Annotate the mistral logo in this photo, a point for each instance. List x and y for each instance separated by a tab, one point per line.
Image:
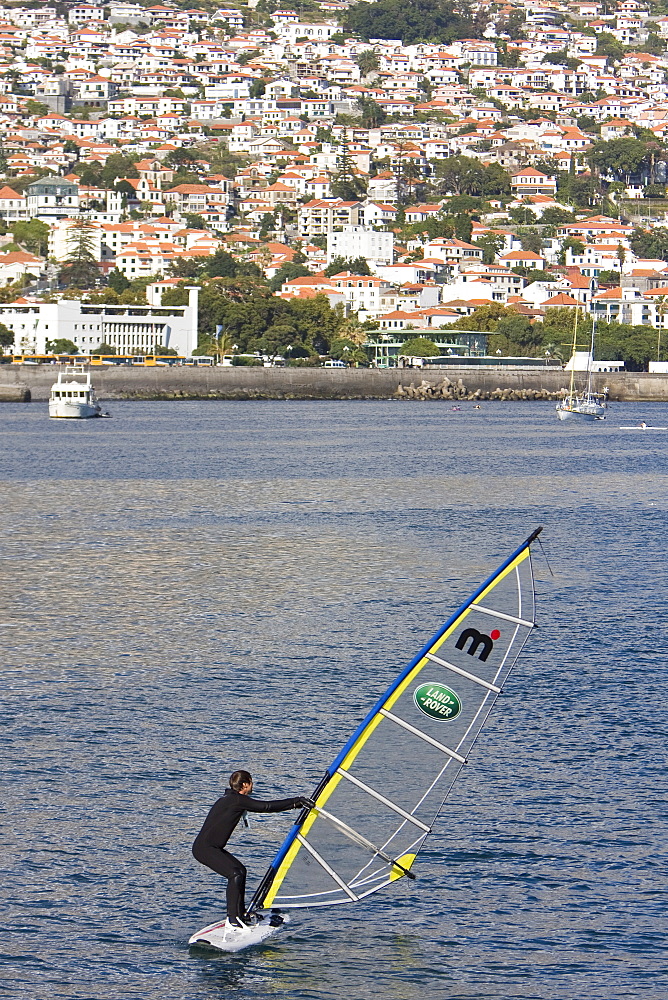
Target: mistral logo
477	639
437	701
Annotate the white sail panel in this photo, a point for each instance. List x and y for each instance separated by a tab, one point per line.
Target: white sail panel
380	797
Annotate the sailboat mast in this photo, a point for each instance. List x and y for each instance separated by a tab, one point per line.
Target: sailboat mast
590	361
575	340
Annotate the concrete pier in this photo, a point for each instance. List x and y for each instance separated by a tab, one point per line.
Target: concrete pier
14	393
315	383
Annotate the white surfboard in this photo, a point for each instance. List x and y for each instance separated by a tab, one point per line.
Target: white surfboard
214	936
639	427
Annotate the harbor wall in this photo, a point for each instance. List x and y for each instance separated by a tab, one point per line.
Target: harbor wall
20	382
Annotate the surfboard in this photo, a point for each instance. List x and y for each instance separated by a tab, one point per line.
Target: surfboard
214	936
637	427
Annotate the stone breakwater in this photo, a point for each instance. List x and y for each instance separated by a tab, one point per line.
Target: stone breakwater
329	383
446	389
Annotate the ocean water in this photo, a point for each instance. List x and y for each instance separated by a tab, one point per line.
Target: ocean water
193	587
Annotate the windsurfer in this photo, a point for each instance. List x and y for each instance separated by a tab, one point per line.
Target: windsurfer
217	829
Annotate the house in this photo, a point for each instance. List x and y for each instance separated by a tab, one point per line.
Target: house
12	205
528	181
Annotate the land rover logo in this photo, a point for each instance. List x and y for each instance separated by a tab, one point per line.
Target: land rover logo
437	701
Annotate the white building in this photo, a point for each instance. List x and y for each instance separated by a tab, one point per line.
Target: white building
127	328
358	241
52	198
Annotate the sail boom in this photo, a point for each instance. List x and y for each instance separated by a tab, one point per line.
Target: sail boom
360	839
386	802
423	736
464	673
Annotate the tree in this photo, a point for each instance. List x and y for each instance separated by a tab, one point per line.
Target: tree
33	235
621	158
117	165
343	349
194	221
104	348
484	319
414	20
372	114
288	272
117	281
6	337
62	346
556	217
355	265
607	45
531	240
81	268
491	245
576	247
652	245
419	347
367	61
346	184
608	277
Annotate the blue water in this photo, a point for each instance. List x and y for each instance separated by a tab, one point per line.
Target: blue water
188	588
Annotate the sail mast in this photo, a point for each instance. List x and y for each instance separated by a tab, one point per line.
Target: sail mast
571	391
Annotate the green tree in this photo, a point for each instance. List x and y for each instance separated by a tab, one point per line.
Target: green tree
419	347
355	265
373	115
288	272
81	268
607	45
620	158
491	245
484	319
346	183
650	245
414	20
33	235
194	221
61	346
117	281
576	247
6	337
367	61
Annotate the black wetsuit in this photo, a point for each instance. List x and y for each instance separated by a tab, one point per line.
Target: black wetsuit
218	827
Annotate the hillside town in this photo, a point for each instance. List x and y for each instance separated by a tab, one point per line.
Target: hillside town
262	182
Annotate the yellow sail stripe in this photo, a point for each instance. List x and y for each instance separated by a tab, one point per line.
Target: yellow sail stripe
375	721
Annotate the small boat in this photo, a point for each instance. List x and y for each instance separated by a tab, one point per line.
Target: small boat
73	396
586	405
642	427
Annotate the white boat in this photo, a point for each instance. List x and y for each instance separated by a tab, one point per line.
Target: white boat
585	405
73	396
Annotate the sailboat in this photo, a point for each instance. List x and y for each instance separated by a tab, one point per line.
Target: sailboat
378	801
587	405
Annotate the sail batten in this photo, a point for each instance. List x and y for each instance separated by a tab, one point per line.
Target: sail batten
464	673
383	799
501	616
412	745
420	733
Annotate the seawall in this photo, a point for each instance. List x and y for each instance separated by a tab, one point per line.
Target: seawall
314	383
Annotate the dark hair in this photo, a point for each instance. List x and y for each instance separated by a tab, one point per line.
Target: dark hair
238	779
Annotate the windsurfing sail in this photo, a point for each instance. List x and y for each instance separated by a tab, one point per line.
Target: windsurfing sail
379	799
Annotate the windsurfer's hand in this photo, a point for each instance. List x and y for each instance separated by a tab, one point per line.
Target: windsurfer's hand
305	802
